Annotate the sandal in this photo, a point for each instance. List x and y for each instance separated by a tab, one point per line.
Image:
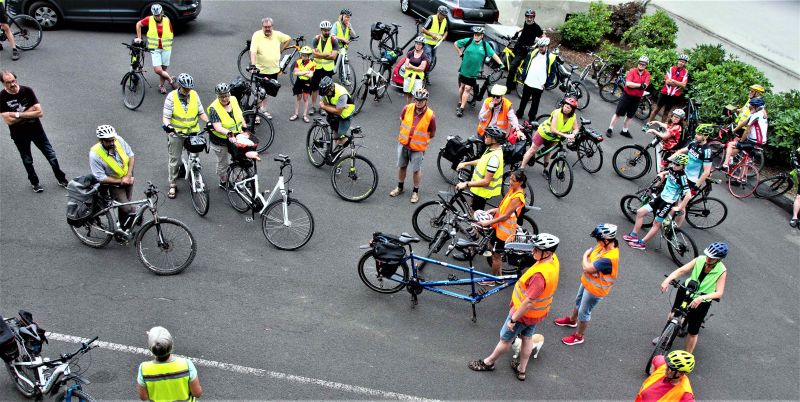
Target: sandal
162	90
173	190
269	116
258	120
520	374
305	119
293	118
480	365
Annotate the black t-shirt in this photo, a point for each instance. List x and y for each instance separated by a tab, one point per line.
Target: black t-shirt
529	34
20	102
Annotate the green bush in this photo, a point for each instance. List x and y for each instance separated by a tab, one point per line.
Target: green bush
723	84
701	56
656	30
783	110
585	30
614	55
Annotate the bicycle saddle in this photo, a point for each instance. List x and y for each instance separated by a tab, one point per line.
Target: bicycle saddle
281	158
406	238
464	243
320	121
585	122
519	247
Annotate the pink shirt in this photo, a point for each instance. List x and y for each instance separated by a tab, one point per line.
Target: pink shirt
533	288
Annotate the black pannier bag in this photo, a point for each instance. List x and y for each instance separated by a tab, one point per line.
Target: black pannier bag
513	153
271	86
195	143
518	255
388	252
377	30
239	88
454	149
82	193
8	344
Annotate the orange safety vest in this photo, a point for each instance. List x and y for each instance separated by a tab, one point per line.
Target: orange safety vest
598	283
508	227
541	305
675	394
502	119
418	138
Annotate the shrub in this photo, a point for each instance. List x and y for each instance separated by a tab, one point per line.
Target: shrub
701	56
656	30
585	30
784	118
624	16
614	55
722	84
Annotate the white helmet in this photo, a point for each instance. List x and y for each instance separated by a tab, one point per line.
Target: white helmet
325	25
680	113
106	131
156	9
644	59
545	242
543	41
605	231
481	215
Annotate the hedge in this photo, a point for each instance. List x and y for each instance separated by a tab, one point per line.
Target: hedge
585	30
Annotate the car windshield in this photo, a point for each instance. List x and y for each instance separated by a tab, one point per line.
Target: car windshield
474	4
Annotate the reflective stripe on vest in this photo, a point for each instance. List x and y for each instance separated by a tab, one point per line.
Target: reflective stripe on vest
152	33
303	68
709	284
228	122
338	91
561	125
744	113
493	189
598	283
167	381
109	160
413	75
185	120
502	118
508	227
342	32
541	305
416	138
674	394
435	28
325	64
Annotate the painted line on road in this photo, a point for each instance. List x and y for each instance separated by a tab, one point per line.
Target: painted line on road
235	368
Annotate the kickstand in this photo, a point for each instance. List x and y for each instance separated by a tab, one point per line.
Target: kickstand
414	300
474	314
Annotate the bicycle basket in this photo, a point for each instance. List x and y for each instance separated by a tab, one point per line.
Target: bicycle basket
8	343
377	30
455	149
195	143
388	254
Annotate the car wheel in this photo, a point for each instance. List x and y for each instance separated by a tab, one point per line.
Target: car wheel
45	14
405	7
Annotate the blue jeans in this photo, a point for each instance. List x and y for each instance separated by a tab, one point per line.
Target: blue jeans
527	331
585	302
23	142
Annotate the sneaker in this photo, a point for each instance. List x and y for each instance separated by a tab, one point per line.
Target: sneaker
637	245
566	322
414	197
793	222
37	188
63	184
397	191
573	339
14	54
609	133
490	284
459	112
625	134
630	237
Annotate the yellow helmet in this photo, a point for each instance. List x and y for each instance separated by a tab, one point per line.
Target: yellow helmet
306	50
705	129
680	360
757	88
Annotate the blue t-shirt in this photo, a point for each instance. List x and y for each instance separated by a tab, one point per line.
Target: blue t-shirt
699	158
603	265
675	186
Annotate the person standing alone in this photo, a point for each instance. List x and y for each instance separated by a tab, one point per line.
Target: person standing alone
159	41
417	129
167	377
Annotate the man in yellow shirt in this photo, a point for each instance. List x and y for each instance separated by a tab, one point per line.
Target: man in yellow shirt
266	46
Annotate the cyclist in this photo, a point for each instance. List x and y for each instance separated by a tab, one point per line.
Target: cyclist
417	61
530	303
699	167
225	116
674	81
326	49
417	129
472	52
111	162
497	111
338	104
537	72
755	136
710	274
755	91
670	138
669	380
434	29
488	174
342	29
562	123
266	46
527	36
182	110
598	275
636	81
303	70
675	188
168	377
159	41
4	21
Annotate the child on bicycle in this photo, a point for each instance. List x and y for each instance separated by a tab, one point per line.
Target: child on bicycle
303	71
670	138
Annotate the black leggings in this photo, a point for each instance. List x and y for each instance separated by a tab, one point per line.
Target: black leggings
534	94
695	316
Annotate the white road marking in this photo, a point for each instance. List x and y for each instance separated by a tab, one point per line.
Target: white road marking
235	368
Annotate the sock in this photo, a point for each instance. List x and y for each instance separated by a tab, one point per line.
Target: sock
624	130
400	185
415	190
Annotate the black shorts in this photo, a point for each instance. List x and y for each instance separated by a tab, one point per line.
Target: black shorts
695	316
4	19
319	74
660	208
301	87
498	246
478	202
746	145
472	82
627	105
269	76
668	101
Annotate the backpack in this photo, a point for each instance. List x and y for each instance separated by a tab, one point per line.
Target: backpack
82	193
485	50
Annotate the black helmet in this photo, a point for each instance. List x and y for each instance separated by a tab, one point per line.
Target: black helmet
496	132
325	84
222	88
442	10
346	12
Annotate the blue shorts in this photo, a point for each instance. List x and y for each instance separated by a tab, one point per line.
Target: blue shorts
160	57
527	331
585	302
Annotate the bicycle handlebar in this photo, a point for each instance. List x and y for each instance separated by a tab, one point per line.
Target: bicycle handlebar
676	284
85	347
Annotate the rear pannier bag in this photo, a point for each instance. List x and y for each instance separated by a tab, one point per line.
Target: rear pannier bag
82	193
377	30
8	344
388	252
454	149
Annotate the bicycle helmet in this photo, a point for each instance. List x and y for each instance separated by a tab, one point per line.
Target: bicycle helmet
156	9
684	57
705	129
644	59
545	242
717	250
419	39
681	361
325	25
757	88
530	13
481	215
680	159
159	341
543	41
325	84
222	88
106	131
479	30
569	100
346	11
306	50
680	113
442	10
757	102
421	94
606	231
185	81
496	133
498	90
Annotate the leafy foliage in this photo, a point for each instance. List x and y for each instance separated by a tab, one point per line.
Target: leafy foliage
722	84
703	55
784	119
624	16
585	30
656	30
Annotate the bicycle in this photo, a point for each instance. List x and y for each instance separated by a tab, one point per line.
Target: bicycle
133	81
286	217
679	243
349	172
599	68
250	94
373	82
780	184
586	144
290	56
571	88
166	237
508	55
613	90
645	106
344	70
25	29
628	158
384	38
483	82
195	144
743	177
702	211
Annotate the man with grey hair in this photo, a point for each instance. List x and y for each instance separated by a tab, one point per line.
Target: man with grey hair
168	377
266	46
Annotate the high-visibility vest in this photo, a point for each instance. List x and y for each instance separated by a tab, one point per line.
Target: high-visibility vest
675	394
167	381
185	121
416	138
437	28
152	33
493	189
598	283
228	122
541	305
744	113
307	67
502	117
413	75
508	227
325	64
338	91
709	284
109	160
562	125
344	32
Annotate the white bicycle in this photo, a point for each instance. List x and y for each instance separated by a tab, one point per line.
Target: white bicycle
193	145
344	70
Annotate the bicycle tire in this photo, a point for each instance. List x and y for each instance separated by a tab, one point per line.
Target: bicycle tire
741	183
242	62
541	118
346	174
590	155
316	147
264	131
644	109
27	32
434	246
717	150
133	89
384	83
446	170
527	191
102	224
77	395
376	47
200	199
611	92
626	160
367	270
237	173
706	213
687	249
664	343
605	75
630	205
774	186
291	63
432	62
29	374
360	97
346	77
529	225
430	214
168	248
561	171
301	224
581	93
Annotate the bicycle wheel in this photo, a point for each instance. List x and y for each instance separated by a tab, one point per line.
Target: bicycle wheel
706	213
29	374
166	247
77	395
529	226
376	47
717	150
384	82
354	178
630	205
292	233
236	174
360	97
663	344
347	77
774	186
200	198
605	75
643	111
528	190
316	144
97	231
611	92
447	169
581	93
631	162
261	129
368	272
559	177
742	182
132	90
590	156
242	62
291	63
26	31
681	247
429	217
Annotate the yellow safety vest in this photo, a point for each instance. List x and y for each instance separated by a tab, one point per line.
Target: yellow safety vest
167	381
508	227
493	189
413	75
338	91
435	28
744	113
308	67
562	125
343	32
185	121
231	123
541	305
325	64
415	138
598	283
152	33
109	160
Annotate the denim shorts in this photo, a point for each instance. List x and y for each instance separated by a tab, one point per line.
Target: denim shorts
527	331
160	57
585	302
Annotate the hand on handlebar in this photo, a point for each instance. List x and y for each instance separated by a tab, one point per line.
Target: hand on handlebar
168	129
252	68
137	40
664	285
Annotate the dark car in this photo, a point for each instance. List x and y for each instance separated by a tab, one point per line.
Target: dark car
53	13
462	14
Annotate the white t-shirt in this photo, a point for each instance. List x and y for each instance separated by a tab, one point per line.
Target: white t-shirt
537	71
758	127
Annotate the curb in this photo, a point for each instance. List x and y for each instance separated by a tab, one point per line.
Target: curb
784	202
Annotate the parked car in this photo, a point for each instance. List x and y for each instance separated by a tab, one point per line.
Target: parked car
53	13
462	14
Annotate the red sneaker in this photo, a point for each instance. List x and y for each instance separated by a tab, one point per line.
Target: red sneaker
573	339
566	322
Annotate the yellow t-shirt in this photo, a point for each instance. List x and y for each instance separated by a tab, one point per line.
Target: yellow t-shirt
268	50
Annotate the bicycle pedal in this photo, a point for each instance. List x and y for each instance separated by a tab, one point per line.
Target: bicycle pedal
248	220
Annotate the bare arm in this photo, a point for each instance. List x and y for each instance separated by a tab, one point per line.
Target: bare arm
195	388
587	265
142	392
139	30
512	206
685	269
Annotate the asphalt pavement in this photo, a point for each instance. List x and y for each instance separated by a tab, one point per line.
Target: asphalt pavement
301	325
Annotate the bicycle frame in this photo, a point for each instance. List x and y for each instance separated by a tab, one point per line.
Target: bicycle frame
239	187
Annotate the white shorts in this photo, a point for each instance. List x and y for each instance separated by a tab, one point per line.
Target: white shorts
160	57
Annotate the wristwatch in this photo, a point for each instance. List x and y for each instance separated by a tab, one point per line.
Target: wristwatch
17	115
511	320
